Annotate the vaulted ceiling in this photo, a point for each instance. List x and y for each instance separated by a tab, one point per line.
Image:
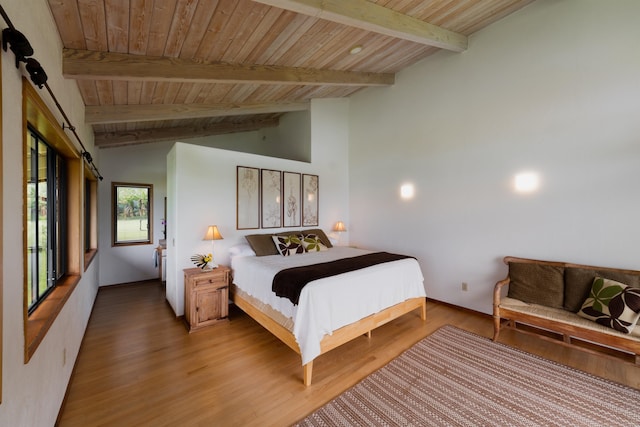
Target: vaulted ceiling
158	70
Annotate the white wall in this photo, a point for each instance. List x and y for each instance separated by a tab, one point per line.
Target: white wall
205	191
147	164
138	164
33	392
553	88
330	151
290	140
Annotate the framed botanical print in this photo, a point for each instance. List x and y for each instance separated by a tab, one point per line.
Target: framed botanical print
271	193
309	200
291	198
247	198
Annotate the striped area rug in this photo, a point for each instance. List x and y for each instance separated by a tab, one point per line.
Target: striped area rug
456	378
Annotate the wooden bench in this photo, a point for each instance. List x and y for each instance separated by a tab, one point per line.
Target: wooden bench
558	320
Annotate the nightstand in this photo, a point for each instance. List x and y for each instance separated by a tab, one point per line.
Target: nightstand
206	296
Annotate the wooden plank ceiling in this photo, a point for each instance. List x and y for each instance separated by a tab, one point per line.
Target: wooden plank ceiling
158	70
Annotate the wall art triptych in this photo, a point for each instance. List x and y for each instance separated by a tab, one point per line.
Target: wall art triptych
272	199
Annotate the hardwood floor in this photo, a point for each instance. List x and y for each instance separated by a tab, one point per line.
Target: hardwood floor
139	366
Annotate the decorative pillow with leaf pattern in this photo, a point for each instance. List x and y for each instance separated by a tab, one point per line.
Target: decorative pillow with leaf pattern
289	245
612	304
312	243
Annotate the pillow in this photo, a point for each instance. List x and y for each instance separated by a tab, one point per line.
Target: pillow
612	304
321	235
288	245
578	281
262	244
536	284
317	231
312	243
241	249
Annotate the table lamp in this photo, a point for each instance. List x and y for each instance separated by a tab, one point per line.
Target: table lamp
212	234
339	227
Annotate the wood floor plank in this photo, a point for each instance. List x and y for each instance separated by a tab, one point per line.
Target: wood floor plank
138	365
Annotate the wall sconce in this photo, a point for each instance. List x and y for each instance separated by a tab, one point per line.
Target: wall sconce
407	191
212	234
526	182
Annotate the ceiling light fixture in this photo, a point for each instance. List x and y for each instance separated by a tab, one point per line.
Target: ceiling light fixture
355	50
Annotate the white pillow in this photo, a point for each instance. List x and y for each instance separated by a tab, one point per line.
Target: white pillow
241	249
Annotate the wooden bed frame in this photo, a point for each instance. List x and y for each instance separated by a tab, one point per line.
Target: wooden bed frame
340	336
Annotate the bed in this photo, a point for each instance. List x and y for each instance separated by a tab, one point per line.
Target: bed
330	311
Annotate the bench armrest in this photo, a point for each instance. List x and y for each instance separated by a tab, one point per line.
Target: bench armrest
497	291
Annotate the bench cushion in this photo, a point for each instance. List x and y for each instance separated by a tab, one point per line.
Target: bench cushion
564	316
537	284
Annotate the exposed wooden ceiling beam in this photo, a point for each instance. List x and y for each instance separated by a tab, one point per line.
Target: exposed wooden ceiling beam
92	65
372	17
152	112
143	136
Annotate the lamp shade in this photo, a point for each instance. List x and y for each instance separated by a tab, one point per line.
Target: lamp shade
339	226
212	233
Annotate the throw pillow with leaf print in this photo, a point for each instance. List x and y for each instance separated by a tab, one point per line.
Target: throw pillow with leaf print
313	243
612	304
289	245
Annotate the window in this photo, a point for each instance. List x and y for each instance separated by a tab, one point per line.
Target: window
1	235
90	216
46	218
52	217
87	215
132	216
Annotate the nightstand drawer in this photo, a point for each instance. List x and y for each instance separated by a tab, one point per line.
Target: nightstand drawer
205	279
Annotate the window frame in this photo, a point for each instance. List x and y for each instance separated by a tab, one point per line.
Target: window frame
90	206
114	214
43	156
1	236
37	115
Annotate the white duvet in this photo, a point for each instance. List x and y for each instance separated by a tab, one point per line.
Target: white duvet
330	303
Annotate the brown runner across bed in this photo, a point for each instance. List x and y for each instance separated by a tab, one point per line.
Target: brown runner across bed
288	283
